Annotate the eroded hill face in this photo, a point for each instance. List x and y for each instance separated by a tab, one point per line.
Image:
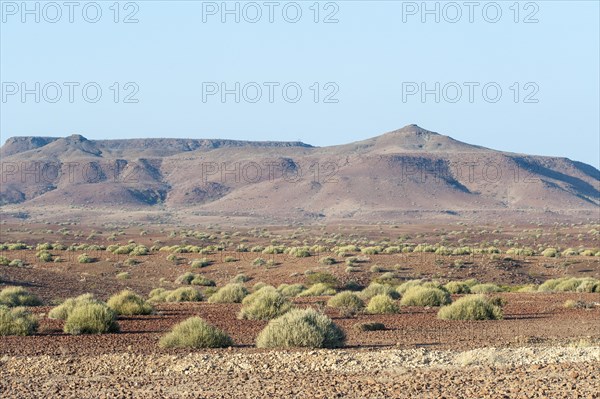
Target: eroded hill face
409	171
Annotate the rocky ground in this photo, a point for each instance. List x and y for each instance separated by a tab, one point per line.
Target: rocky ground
525	372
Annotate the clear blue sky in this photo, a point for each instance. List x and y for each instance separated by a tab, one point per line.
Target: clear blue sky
370	57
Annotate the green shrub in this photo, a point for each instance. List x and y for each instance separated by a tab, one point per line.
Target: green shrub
322	278
183	294
382	304
259	285
301	328
265	304
291	290
202	262
425	296
377	269
158	295
16	263
405	286
63	310
201	280
299	252
128	303
16	321
259	262
485	288
185	278
319	289
84	258
45	256
240	278
347	302
123	276
18	296
4	261
91	318
550	253
378	289
327	260
471	307
457	287
369	326
195	333
231	293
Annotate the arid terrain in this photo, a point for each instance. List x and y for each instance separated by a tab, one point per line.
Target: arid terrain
409	265
540	348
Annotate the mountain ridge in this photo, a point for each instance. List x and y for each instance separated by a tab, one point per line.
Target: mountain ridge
404	170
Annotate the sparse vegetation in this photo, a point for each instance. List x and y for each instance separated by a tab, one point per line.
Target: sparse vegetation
195	333
382	304
91	318
231	293
425	296
347	302
265	304
129	303
301	328
18	296
471	307
16	321
319	289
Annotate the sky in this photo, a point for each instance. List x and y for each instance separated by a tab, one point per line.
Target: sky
513	76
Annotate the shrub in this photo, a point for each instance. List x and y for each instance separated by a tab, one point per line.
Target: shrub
301	328
18	296
265	304
425	296
201	280
240	278
259	262
457	287
382	304
377	269
229	259
319	289
91	318
183	294
231	293
4	261
402	288
347	302
16	263
195	333
185	278
322	278
123	276
259	285
198	263
550	253
16	321
157	295
63	310
84	258
327	260
471	307
128	303
378	289
485	288
291	290
45	256
299	252
369	326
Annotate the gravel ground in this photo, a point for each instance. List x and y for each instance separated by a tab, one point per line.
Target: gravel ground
526	372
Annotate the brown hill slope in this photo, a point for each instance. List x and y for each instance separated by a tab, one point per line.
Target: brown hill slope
410	170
